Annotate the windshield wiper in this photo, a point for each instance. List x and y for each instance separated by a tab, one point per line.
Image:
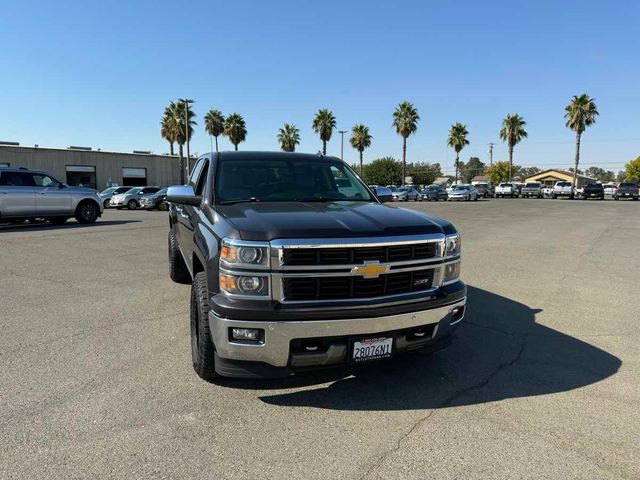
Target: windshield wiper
245	200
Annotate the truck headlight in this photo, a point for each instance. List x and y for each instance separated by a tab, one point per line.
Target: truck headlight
451	273
453	245
236	253
245	285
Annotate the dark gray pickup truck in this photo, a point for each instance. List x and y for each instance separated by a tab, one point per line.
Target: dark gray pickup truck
296	265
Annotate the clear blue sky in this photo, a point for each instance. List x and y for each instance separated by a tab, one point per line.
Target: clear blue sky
100	73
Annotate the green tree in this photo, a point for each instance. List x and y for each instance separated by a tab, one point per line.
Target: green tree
182	131
383	171
457	139
360	139
632	171
580	113
323	124
525	172
236	129
214	124
289	137
620	176
499	172
405	121
600	174
424	173
512	132
471	169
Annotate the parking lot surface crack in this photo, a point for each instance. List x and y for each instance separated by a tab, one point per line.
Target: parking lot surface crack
447	402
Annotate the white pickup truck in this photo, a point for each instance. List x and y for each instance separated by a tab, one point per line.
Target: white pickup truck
506	190
562	189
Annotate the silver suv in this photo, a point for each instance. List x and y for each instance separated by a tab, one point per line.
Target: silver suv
29	194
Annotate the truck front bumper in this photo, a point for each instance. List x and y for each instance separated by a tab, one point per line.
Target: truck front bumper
284	345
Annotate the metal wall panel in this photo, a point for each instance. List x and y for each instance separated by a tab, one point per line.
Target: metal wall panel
161	169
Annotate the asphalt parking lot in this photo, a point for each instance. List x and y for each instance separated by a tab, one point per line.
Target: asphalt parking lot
542	381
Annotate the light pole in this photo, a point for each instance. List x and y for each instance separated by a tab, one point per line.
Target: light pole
342	132
491	154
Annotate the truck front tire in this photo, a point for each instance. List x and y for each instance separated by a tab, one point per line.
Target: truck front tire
202	348
178	271
87	212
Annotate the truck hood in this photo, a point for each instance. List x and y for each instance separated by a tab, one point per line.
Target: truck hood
264	221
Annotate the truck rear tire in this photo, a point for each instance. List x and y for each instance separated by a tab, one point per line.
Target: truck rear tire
178	271
202	348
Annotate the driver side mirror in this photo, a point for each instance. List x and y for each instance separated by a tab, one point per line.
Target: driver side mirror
183	195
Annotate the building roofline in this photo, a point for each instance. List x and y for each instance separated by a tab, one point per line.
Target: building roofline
25	147
564	172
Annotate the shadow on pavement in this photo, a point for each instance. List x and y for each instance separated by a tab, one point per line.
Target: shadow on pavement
45	226
499	352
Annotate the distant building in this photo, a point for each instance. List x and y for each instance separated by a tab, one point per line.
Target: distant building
549	177
94	168
442	181
480	179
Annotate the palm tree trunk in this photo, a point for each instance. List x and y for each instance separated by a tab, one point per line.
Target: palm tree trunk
236	146
171	148
361	163
457	163
404	160
324	147
575	168
510	160
216	144
181	164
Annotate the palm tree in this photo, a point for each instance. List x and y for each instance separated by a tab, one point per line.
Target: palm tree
236	129
405	121
174	120
214	124
323	124
581	113
457	140
360	139
512	132
168	129
289	137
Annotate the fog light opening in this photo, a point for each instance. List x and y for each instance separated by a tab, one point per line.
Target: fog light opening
253	335
456	314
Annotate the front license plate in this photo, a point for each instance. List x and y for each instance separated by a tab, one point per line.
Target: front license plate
369	349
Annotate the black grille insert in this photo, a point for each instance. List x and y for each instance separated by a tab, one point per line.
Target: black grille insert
346	287
351	255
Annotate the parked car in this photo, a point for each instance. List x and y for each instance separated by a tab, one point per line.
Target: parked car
276	302
626	190
592	190
562	189
485	190
434	193
384	194
531	190
506	189
131	198
32	194
610	189
547	191
106	195
155	201
463	192
404	194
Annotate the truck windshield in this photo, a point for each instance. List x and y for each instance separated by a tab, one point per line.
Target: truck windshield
283	180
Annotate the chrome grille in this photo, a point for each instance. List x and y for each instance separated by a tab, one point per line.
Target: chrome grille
355	255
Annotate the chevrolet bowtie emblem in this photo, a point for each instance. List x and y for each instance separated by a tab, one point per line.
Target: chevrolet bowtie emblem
370	269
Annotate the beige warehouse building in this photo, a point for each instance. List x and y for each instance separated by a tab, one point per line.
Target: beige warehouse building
95	168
